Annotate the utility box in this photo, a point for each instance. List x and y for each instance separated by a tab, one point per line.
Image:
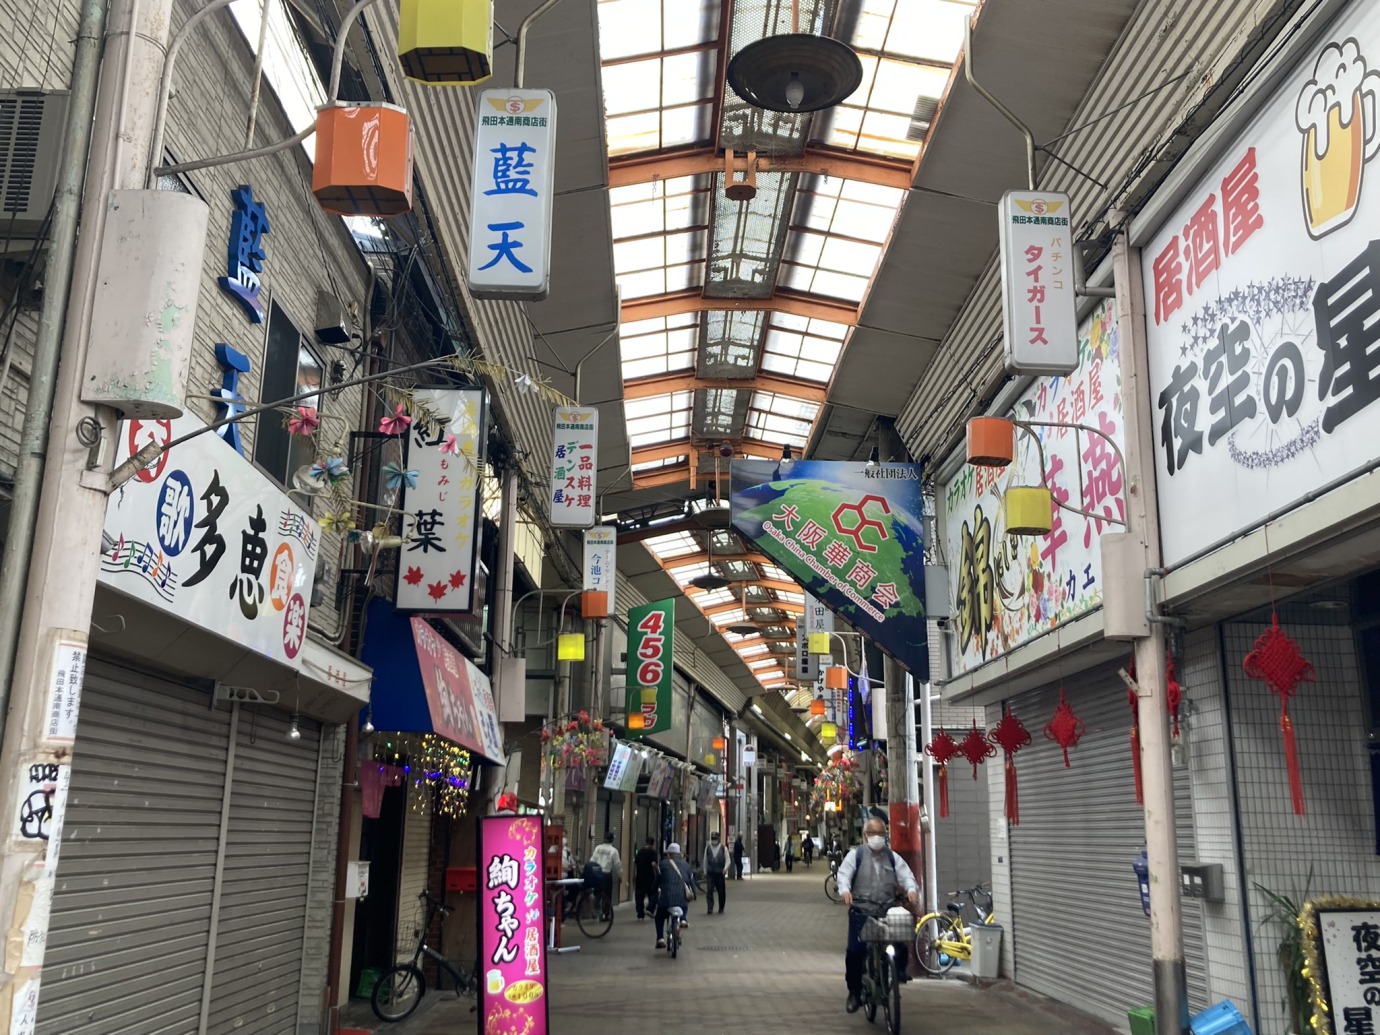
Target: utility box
1123	587
1202	881
356	879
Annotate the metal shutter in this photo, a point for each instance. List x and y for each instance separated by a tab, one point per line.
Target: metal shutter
1071	878
131	912
263	906
412	879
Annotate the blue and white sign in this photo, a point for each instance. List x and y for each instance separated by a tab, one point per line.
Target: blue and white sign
510	210
245	252
601	569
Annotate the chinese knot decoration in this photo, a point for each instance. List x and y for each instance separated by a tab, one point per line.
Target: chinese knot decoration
580	743
975	749
1065	729
1174	693
837	782
942	748
1010	735
1278	662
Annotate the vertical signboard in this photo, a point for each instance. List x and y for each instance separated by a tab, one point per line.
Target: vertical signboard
1261	293
651	629
817	619
601	570
440	502
512	923
1037	297
574	459
510	203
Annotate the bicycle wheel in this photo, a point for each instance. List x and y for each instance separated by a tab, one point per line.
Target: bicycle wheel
892	998
831	887
673	938
594	919
398	992
933	929
871	993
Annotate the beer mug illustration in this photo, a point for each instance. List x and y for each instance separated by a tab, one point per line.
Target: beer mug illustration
1337	115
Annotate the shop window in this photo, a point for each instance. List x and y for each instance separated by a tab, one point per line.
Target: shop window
289	368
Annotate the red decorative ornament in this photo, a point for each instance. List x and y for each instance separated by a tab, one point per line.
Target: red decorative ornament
1175	694
1278	662
1010	735
975	749
1065	729
942	748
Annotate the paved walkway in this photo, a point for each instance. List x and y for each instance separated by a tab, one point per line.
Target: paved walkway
772	962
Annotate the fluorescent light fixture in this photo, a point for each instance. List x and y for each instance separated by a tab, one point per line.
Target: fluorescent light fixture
757	709
788	735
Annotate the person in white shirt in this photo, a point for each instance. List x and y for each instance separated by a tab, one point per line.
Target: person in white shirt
610	864
872	878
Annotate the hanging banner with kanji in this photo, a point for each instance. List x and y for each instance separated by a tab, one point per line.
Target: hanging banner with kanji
512	926
1003	590
440	500
1037	299
600	568
510	202
574	459
851	534
651	636
1261	296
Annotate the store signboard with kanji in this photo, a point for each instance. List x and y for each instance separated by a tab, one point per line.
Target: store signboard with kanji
1342	943
1037	297
651	639
512	927
204	535
851	534
1006	590
440	500
510	203
600	569
459	696
1263	304
817	619
574	459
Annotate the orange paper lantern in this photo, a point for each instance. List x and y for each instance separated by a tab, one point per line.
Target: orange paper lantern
718	743
817	706
594	603
991	441
363	161
836	678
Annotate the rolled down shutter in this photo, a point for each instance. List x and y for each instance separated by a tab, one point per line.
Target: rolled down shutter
1071	855
131	914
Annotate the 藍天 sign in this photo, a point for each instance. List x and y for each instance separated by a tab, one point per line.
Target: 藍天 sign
600	570
204	536
514	176
574	459
512	926
245	252
1006	590
651	636
852	535
440	500
1262	293
1037	297
459	697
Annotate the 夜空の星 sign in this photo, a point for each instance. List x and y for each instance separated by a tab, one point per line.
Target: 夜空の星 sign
651	638
852	535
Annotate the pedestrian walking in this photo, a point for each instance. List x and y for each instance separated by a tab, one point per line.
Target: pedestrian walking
738	857
807	849
644	878
715	866
790	853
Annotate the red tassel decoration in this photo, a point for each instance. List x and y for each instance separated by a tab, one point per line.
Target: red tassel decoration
1010	735
1066	728
975	749
1278	662
1013	802
1291	760
1175	693
942	748
943	792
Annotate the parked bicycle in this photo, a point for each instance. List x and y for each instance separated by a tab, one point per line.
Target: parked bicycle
881	981
400	990
942	939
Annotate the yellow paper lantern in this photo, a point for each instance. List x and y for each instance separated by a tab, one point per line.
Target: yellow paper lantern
836	678
710	759
828	731
570	647
817	706
446	41
1029	510
818	643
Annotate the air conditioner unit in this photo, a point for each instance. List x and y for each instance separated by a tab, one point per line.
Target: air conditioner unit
31	124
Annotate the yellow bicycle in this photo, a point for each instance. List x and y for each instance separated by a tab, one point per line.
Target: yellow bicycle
942	939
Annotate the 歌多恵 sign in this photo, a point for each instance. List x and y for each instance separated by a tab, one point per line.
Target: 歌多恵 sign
514	176
512	926
851	534
1037	298
600	574
203	535
1262	291
574	459
651	634
459	697
440	500
1003	590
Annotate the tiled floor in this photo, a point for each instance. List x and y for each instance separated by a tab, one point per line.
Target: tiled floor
772	962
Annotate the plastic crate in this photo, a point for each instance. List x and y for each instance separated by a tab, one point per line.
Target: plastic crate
1142	1020
368	978
1222	1019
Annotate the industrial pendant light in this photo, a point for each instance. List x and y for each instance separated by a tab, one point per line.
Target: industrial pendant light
795	72
709	580
745	627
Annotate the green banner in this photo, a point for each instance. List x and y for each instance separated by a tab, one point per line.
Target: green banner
650	635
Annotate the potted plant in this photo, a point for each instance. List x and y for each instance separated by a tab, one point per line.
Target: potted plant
1282	917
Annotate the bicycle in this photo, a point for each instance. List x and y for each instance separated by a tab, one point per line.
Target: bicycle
881	984
673	934
400	990
594	912
942	939
831	881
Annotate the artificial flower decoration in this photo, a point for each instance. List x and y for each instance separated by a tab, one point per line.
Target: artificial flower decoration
523	383
332	470
337	521
396	424
304	421
451	444
577	744
354	536
397	476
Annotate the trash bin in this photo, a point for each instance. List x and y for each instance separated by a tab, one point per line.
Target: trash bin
1142	1020
986	950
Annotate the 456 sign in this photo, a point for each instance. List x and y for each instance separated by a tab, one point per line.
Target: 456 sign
651	629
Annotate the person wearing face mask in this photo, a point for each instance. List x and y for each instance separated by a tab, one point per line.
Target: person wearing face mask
872	879
715	867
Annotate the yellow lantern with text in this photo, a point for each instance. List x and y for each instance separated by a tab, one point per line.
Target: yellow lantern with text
446	41
570	647
818	643
836	678
1029	510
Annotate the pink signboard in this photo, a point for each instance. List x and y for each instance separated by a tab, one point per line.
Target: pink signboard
512	915
457	694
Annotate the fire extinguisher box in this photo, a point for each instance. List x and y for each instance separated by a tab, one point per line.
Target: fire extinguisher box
462	878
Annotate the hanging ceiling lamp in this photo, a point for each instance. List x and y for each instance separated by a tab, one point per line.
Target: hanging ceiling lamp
746	627
709	580
795	72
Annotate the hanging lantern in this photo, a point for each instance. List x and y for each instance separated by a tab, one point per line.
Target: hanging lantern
363	164
446	41
636	721
818	643
836	678
717	743
828	731
1029	510
991	441
594	603
817	706
570	647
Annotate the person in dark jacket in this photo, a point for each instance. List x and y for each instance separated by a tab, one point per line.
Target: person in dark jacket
807	849
644	878
715	867
738	857
675	888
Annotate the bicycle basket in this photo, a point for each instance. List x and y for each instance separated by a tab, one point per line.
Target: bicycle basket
888	929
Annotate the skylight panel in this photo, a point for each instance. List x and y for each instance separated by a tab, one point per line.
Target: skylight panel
673	544
656	465
753	650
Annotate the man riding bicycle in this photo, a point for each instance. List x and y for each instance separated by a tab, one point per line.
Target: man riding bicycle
604	869
872	878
